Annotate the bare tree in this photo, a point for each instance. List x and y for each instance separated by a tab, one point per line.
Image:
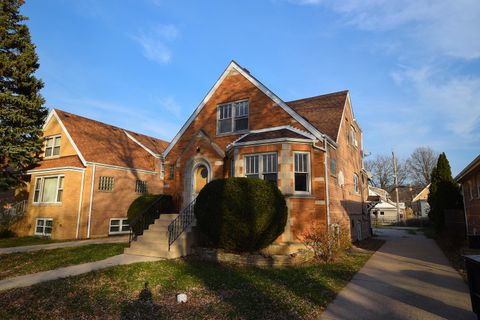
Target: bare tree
381	168
420	165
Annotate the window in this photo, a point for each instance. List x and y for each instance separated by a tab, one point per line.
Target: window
105	184
262	166
232	168
118	225
353	138
382	213
141	186
52	146
355	183
470	186
44	227
171	172
333	167
232	117
48	189
301	172
478	186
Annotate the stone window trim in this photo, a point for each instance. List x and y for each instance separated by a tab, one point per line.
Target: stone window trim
118	226
43	227
302	167
106	183
52	146
262	166
231	117
40	195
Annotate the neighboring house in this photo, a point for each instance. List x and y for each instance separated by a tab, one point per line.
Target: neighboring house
89	175
469	178
385	210
420	205
311	148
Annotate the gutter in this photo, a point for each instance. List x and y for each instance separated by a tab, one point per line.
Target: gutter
80	205
91	202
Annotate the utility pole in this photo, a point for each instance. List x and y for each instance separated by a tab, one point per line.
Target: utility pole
395	177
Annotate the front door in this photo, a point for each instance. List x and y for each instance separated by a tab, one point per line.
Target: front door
200	179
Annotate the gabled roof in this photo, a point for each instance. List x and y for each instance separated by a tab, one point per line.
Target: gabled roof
103	143
235	66
68	161
422	195
471	166
324	112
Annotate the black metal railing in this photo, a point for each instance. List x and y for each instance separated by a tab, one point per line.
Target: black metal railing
144	219
180	223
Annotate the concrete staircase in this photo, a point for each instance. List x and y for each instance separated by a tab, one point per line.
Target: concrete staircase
154	241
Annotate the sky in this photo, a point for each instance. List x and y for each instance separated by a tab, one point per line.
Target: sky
412	66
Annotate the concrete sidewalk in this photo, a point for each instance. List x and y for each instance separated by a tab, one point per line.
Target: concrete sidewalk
66	244
31	279
408	278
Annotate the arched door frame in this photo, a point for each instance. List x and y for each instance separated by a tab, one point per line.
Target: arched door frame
197	163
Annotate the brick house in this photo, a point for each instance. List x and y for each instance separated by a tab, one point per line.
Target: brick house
311	148
469	179
89	174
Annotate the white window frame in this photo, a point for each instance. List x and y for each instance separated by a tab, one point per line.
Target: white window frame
43	234
144	184
260	169
104	183
308	172
353	136
40	195
356	187
122	222
233	116
54	138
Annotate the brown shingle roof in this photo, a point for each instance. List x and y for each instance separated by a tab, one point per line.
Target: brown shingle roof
274	134
103	143
323	112
155	145
68	161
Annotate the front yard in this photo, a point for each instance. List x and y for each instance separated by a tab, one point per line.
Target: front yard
215	291
16	264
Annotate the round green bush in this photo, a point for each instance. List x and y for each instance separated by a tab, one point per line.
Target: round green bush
241	214
164	205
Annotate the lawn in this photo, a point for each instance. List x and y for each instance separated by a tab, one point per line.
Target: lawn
16	264
24	241
215	291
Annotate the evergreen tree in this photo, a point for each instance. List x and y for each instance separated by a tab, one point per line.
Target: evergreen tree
21	106
444	193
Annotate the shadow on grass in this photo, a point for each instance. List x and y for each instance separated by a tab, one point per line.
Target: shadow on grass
143	307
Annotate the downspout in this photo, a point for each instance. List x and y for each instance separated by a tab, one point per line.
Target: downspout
327	200
91	203
80	205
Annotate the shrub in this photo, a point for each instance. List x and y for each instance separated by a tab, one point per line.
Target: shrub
327	244
241	214
139	205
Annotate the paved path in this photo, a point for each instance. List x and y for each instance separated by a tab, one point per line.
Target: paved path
408	278
31	279
56	245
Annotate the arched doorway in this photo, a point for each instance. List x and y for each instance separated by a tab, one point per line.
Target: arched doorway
201	175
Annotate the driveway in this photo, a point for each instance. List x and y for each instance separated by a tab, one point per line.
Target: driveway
408	278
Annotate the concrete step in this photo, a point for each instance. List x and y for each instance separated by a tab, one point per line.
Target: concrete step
170	216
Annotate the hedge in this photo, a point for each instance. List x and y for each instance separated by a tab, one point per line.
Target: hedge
241	214
164	205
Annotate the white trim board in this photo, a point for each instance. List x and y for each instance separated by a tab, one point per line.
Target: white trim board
234	66
141	145
47	170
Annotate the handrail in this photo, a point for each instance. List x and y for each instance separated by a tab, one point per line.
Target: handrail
17	209
142	219
180	223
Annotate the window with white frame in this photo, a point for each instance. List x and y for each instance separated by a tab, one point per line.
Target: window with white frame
105	183
118	225
302	172
262	166
355	183
52	146
48	189
353	136
43	227
232	117
141	186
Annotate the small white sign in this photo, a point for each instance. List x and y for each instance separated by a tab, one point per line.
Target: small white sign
181	298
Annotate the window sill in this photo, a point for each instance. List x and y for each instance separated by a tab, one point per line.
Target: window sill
51	157
118	233
301	195
44	204
232	133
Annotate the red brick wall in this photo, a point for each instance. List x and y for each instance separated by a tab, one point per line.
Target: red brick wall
472	205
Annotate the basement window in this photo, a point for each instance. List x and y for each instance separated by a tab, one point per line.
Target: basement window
119	226
43	227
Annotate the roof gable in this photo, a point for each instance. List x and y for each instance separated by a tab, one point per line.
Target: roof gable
102	143
234	66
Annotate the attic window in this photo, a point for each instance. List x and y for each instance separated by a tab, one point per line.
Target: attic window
353	137
52	146
232	117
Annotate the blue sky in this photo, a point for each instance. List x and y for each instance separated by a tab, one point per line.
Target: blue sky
412	66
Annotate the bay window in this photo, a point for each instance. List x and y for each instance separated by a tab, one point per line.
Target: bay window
302	172
262	166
